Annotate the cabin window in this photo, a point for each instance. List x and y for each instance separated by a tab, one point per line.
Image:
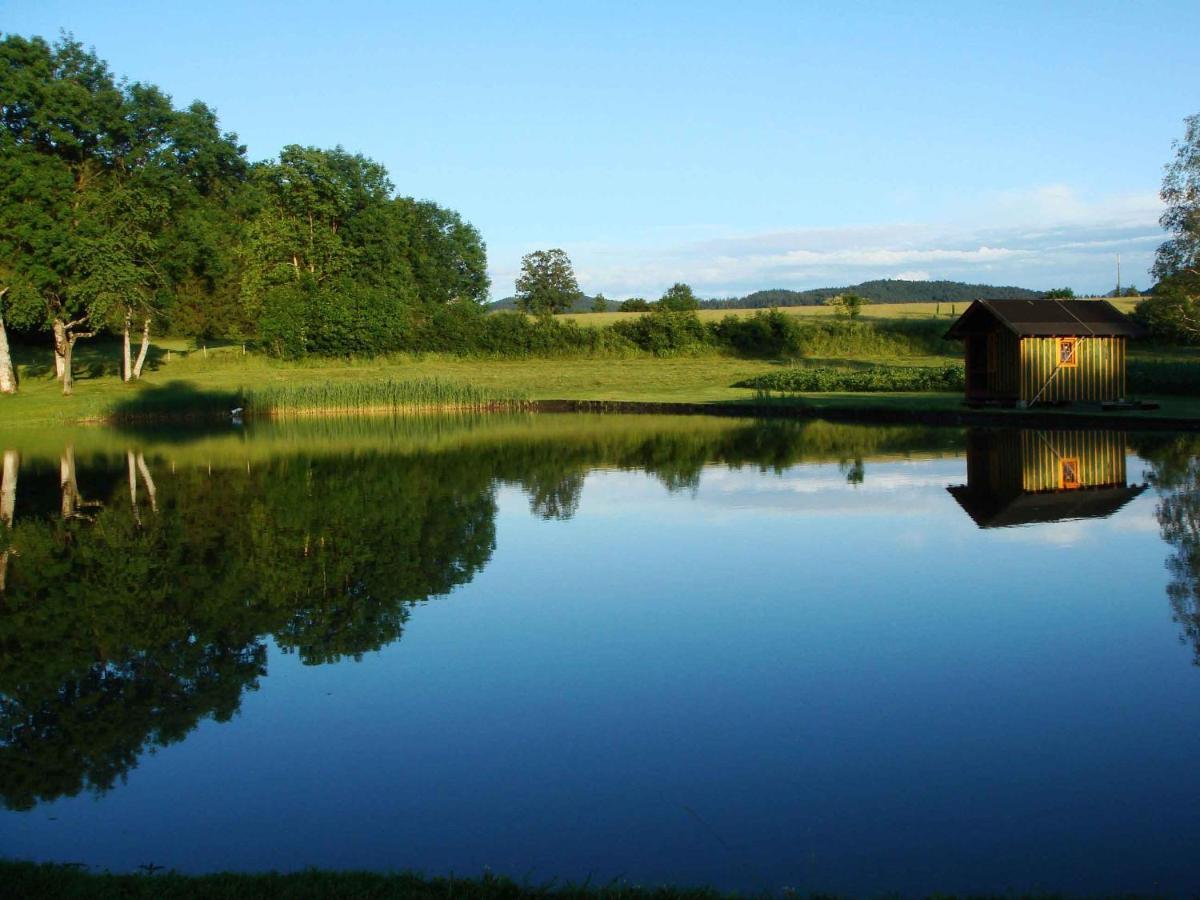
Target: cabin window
1068	473
1066	352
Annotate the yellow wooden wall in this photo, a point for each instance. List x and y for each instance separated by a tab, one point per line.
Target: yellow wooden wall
1099	375
1100	454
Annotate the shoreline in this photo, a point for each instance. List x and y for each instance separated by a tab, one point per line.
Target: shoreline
1056	420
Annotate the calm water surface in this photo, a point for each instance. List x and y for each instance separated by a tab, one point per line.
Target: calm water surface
755	656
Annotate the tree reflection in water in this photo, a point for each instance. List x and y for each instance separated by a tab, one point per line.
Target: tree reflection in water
1174	472
137	598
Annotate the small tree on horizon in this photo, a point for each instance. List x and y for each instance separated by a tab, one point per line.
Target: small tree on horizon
547	283
1062	293
599	303
679	297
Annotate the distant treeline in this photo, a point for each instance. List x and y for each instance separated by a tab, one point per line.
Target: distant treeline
884	290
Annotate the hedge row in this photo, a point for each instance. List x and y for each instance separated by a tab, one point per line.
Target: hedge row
873	379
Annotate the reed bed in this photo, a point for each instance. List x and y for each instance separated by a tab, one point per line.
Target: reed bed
372	397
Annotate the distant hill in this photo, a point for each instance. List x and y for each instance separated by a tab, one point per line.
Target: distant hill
884	290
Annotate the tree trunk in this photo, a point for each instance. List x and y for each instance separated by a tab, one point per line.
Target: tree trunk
60	348
8	488
8	506
8	375
151	491
67	483
126	357
133	473
68	350
143	350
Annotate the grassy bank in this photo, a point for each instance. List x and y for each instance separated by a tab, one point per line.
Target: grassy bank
219	378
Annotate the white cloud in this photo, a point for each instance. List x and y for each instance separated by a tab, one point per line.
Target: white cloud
1038	237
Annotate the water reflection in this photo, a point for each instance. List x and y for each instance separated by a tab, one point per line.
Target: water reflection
150	585
1022	477
139	591
1174	472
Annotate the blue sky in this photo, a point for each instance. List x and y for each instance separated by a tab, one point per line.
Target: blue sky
732	146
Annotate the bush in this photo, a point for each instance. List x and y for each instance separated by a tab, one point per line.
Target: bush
875	378
768	333
665	333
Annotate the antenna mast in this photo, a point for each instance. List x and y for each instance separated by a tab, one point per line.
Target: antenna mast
1118	294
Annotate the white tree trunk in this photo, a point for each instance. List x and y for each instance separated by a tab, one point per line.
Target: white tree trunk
133	473
8	488
8	375
8	508
67	483
151	491
126	357
143	350
65	360
60	348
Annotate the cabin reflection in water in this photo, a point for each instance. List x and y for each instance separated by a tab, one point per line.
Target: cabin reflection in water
1025	477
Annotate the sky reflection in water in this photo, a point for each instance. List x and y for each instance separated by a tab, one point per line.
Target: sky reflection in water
809	668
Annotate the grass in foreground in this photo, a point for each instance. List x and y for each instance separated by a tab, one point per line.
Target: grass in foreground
33	880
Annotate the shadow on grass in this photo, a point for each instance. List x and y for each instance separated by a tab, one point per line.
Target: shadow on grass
176	402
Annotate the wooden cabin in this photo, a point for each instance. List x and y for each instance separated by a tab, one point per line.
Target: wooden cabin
1044	351
1024	477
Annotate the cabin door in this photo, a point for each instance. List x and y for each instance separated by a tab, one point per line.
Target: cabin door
977	365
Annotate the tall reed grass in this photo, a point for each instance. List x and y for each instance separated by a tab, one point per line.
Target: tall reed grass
353	397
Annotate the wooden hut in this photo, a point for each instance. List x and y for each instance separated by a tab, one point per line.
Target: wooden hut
1024	477
1044	351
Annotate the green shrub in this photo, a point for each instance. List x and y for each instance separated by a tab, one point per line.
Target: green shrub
665	332
875	378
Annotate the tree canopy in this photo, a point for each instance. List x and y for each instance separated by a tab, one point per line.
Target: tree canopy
547	283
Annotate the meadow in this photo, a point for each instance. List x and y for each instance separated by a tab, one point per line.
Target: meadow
872	367
872	311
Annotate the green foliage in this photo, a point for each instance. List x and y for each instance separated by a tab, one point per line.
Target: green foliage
1062	293
634	304
870	379
848	305
599	303
1172	312
664	332
679	298
1180	254
547	283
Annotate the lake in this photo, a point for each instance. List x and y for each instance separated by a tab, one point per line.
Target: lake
753	655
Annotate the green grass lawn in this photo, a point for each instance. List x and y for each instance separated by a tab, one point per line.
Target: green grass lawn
181	375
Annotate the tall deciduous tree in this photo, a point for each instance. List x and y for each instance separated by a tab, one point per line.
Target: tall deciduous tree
547	283
1180	254
1173	312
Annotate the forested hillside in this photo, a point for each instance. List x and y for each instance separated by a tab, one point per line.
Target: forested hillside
886	290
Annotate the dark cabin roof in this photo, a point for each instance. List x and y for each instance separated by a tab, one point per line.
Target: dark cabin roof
1045	318
1028	508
